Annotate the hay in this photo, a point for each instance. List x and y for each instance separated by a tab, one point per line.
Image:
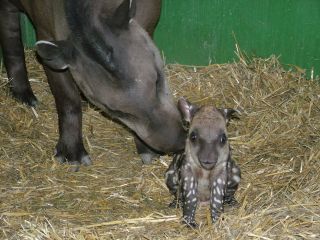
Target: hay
276	143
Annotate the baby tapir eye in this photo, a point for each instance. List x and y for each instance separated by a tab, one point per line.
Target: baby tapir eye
223	139
193	136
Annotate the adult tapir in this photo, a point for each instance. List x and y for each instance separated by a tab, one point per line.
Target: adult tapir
102	48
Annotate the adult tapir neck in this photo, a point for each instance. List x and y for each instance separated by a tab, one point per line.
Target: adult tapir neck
48	16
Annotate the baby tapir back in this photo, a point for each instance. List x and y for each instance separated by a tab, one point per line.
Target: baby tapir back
205	171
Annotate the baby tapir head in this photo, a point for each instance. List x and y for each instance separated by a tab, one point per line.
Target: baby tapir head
207	143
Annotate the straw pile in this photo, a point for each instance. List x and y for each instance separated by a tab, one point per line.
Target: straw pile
276	142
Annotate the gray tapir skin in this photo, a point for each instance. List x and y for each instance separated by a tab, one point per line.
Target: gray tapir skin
104	50
205	171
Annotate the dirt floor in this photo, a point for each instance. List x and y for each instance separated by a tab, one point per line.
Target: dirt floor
276	143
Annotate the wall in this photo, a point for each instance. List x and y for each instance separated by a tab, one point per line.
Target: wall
205	31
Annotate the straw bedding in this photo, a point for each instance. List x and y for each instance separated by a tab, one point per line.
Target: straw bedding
276	142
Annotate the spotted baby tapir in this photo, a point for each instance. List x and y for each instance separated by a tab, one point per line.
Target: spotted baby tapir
205	171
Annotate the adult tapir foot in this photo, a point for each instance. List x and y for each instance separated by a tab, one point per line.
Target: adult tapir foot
147	155
77	157
148	158
26	97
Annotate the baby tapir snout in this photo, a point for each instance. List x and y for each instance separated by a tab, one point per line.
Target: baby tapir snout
210	151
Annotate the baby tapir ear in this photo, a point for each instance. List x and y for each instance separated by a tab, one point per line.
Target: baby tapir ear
56	55
186	109
229	114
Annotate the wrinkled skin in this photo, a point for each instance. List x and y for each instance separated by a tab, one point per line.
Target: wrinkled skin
102	49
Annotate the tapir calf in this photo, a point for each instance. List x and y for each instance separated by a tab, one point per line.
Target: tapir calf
205	171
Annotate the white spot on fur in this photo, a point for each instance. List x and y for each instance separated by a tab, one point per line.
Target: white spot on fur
236	178
217	200
194	200
218	191
235	170
189	193
170	172
185	186
174	180
219	180
214	183
214	205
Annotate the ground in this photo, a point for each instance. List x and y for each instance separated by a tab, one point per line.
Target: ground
276	143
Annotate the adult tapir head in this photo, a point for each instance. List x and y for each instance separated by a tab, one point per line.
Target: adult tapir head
118	68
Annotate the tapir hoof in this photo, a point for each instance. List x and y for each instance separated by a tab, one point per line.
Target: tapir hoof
85	160
148	158
190	223
175	204
27	97
231	201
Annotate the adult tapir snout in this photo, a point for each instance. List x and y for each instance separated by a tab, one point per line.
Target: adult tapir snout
164	131
174	138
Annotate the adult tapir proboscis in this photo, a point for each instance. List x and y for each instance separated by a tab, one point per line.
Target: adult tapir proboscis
104	50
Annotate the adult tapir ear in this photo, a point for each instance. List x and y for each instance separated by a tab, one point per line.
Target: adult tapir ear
229	113
55	54
186	109
123	14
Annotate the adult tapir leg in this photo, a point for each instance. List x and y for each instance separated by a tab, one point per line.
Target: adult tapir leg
68	102
13	53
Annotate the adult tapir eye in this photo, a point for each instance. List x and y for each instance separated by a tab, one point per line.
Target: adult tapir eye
223	139
193	136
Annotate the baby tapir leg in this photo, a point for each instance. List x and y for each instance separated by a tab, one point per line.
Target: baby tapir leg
189	196
218	193
172	177
234	176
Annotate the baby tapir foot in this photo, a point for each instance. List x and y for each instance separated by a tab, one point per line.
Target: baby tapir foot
176	203
189	222
231	201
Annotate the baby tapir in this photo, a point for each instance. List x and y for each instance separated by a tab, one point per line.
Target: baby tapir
205	171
